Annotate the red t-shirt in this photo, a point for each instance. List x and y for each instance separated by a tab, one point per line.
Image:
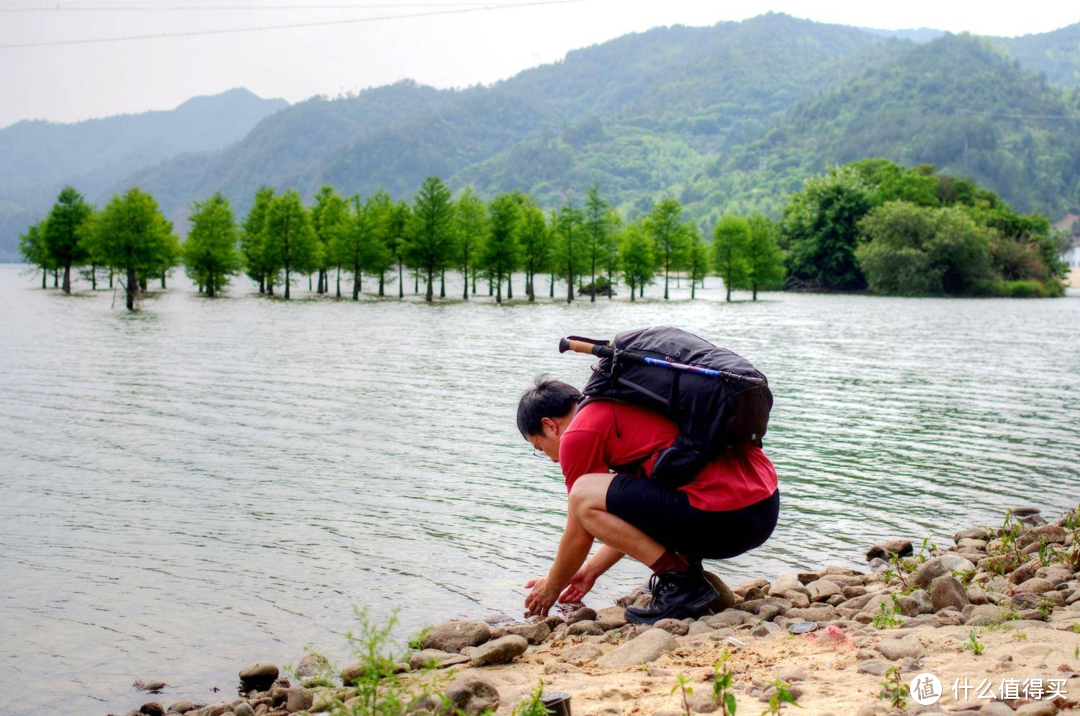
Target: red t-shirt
590	444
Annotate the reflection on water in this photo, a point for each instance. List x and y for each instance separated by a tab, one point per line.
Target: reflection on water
210	482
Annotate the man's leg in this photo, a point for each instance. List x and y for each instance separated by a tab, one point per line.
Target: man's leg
588	504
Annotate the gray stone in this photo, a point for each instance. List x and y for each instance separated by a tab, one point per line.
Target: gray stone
922	598
936	567
787	582
895	649
1051	534
1035	585
586	627
822	589
979	533
456	635
729	618
582	652
585	614
947	593
473	695
182	707
299	699
258	676
642	649
699	627
533	633
873	667
611	618
500	651
701	703
152	686
792	673
310	665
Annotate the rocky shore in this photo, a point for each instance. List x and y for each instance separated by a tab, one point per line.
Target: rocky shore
997	611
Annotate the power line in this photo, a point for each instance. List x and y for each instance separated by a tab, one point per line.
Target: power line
290	26
217	8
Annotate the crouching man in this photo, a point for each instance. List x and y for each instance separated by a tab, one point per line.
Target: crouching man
730	507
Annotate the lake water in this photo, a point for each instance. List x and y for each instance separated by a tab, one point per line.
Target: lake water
211	482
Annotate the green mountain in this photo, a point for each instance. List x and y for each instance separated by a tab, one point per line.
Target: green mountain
957	102
1055	54
40	157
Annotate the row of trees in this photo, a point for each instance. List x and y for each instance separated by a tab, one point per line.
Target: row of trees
337	237
910	231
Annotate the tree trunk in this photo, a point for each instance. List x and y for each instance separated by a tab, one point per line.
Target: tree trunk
67	278
210	284
509	286
93	277
356	282
532	288
727	286
611	286
308	284
400	281
498	290
110	277
163	279
755	290
665	282
474	281
44	278
142	283
641	290
382	281
262	285
288	281
429	294
552	285
132	288
592	299
632	291
339	282
693	289
55	278
491	287
465	276
442	284
416	282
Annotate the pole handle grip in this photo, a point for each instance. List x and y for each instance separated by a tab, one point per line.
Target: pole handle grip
578	346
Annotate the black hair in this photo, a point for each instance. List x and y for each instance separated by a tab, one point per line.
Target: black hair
546	399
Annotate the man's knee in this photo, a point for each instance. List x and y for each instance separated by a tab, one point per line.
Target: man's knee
589	493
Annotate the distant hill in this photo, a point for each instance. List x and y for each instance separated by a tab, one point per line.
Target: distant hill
1055	54
957	102
40	157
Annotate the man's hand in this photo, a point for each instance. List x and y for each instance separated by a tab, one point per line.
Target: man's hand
540	598
580	584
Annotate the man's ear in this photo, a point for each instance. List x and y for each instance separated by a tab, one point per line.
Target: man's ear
549	423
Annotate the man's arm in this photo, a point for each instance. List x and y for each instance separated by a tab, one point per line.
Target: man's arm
582	582
573	550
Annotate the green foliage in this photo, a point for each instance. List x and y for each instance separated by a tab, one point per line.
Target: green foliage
731	243
685	692
328	219
64	230
501	254
886	616
820	229
132	237
430	246
782	696
638	260
697	259
764	259
893	688
596	227
289	243
974	644
567	249
533	705
723	680
33	249
670	236
251	238
470	228
210	255
535	242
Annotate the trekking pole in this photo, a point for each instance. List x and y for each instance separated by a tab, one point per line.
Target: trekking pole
601	349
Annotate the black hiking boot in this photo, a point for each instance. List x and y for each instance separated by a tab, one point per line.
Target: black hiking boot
675	595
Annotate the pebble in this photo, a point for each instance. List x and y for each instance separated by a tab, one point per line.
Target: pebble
946	592
182	707
243	709
873	666
455	635
500	651
298	699
611	618
473	695
582	652
895	649
642	649
581	615
152	686
533	633
585	627
673	626
259	676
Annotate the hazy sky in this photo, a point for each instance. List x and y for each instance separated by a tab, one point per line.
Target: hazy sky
79	81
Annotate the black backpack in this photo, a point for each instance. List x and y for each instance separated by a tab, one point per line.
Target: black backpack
718	408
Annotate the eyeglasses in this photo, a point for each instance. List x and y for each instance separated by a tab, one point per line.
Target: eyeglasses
539	453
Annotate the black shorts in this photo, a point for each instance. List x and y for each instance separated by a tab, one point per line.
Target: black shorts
668	517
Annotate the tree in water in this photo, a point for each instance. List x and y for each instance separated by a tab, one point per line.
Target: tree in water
501	246
430	247
399	220
64	229
595	228
289	242
535	242
764	259
135	239
33	249
251	239
609	250
327	218
697	259
470	226
569	239
636	255
210	253
731	237
665	226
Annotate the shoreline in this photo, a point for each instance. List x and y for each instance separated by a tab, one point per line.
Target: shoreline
998	605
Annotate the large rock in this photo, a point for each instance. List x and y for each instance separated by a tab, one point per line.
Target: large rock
641	649
725	598
822	589
434	658
611	618
299	699
586	627
585	614
1051	534
500	651
922	597
455	636
582	652
258	676
1035	585
936	567
886	549
673	626
947	593
533	633
787	582
473	695
311	665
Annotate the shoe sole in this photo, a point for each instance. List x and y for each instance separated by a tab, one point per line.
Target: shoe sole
681	612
